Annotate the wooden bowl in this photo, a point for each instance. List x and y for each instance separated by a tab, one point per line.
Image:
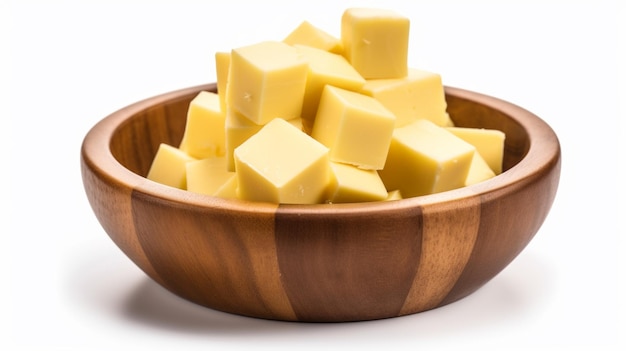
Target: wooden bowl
322	263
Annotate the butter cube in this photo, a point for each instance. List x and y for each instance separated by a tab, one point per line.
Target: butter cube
282	164
169	167
297	122
267	80
425	158
479	170
206	176
354	184
325	68
222	68
204	130
356	128
394	195
488	142
376	42
238	130
419	95
309	35
228	190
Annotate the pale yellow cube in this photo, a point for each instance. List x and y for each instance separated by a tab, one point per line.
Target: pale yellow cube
204	130
238	130
325	68
208	175
419	95
354	184
169	166
356	128
222	68
425	158
310	35
228	190
376	42
267	80
281	164
297	122
479	171
488	142
394	195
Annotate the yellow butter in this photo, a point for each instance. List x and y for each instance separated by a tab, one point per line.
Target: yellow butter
488	142
169	166
479	171
297	122
267	80
354	184
425	158
375	42
419	95
356	128
309	35
281	164
204	130
206	176
238	130
325	68
394	195
228	190
222	67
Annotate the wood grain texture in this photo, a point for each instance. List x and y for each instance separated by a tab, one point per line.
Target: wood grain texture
321	263
351	265
446	247
229	261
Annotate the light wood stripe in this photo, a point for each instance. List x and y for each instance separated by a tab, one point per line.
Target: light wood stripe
230	258
446	248
508	221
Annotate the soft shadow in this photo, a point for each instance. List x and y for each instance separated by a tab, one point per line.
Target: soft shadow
149	303
514	293
523	288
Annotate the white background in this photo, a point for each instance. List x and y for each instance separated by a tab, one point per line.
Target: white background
67	64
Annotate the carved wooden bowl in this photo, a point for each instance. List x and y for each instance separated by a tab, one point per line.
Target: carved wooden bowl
323	263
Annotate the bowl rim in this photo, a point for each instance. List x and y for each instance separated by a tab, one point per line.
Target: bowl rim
543	151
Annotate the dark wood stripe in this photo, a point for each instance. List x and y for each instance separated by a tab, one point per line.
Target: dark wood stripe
355	266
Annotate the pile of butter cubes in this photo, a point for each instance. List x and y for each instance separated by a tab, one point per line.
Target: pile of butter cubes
316	118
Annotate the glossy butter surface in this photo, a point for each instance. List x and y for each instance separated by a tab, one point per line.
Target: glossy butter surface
282	164
308	34
479	170
425	158
419	95
354	184
356	128
267	80
208	175
488	142
204	130
169	166
325	68
376	42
